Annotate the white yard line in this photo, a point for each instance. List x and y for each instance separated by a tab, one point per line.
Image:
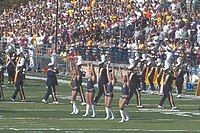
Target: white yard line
94	129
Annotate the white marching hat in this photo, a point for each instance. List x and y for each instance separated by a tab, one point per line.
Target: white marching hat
159	62
167	65
21	62
131	63
79	60
148	60
143	57
137	56
50	64
166	39
103	59
178	61
18	51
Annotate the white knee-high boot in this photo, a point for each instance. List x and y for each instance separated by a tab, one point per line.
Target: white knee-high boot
126	116
111	112
122	116
93	111
75	109
87	110
107	112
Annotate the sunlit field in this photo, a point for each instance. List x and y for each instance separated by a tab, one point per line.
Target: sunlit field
34	116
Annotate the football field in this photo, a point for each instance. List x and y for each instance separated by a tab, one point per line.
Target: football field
33	116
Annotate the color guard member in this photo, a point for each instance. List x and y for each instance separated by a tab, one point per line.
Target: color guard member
109	93
75	89
90	91
124	95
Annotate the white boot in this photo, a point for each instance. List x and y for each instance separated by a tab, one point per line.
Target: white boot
76	111
93	111
126	116
87	110
122	116
112	115
73	108
107	113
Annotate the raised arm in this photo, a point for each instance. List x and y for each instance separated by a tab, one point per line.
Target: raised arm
107	69
94	76
113	75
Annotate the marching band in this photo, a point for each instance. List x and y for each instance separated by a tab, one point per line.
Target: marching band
144	72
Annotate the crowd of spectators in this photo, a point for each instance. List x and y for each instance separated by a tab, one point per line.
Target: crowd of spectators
123	27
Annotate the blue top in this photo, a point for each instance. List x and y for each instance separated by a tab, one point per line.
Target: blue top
125	89
109	88
90	84
51	78
75	83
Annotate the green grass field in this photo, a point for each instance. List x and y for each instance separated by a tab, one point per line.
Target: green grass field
33	116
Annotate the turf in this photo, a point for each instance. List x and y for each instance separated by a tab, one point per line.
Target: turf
33	116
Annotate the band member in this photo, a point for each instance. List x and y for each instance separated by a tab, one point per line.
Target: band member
102	80
51	83
167	88
159	71
90	91
143	68
19	77
75	89
81	92
11	64
109	93
124	96
179	71
134	83
1	79
150	73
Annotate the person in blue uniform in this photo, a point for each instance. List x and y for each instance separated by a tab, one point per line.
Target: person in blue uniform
179	71
109	93
19	77
51	83
124	96
159	70
90	91
102	80
11	64
151	72
1	78
75	89
143	67
167	88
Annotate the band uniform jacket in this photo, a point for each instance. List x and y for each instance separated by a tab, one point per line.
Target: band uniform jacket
51	78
